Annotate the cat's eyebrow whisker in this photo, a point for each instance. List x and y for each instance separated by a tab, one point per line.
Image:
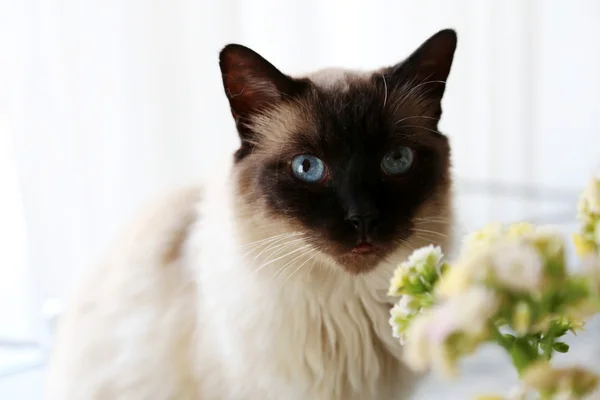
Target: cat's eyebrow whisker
424	128
415	116
386	90
414	88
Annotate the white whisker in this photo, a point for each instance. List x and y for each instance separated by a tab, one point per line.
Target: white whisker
430	232
274	246
283	256
424	128
300	266
415	116
271	238
414	88
291	262
386	90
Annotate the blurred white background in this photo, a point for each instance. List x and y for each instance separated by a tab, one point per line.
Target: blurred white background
105	104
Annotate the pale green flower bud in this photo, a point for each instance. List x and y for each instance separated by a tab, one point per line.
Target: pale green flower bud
522	318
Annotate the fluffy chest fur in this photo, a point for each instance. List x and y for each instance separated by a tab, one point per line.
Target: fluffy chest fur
293	329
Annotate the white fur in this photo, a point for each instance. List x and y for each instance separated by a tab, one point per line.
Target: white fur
210	325
337	78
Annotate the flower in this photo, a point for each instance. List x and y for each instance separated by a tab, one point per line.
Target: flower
418	273
522	318
582	247
520	229
517	266
398	281
401	314
425	262
468	269
488	234
549	241
417	348
571	382
426	255
513	277
589	201
438	336
454	282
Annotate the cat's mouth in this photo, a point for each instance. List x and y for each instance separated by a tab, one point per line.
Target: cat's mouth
364	248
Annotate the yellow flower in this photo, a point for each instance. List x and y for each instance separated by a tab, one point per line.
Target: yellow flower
454	282
519	229
582	246
489	397
484	236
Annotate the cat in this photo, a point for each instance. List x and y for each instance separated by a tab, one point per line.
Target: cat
271	281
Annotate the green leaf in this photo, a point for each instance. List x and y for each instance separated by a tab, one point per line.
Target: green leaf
561	347
522	354
509	339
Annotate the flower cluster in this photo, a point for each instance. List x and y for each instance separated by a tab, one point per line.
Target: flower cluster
414	280
559	383
588	212
511	286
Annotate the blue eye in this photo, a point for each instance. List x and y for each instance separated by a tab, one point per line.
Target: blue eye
308	168
398	161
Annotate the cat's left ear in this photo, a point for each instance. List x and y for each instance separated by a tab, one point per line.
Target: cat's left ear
253	85
251	82
429	65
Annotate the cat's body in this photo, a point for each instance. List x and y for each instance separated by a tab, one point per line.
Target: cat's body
232	292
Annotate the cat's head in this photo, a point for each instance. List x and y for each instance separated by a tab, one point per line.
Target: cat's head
351	161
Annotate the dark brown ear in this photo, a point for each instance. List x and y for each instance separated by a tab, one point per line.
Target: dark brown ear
430	64
252	85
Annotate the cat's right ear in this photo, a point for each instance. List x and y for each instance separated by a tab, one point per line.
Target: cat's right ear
252	85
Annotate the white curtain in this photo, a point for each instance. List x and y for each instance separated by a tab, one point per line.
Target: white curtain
112	102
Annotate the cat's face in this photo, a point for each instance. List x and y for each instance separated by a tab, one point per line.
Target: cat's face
355	159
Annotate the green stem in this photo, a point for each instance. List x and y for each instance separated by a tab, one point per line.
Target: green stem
500	338
521	352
